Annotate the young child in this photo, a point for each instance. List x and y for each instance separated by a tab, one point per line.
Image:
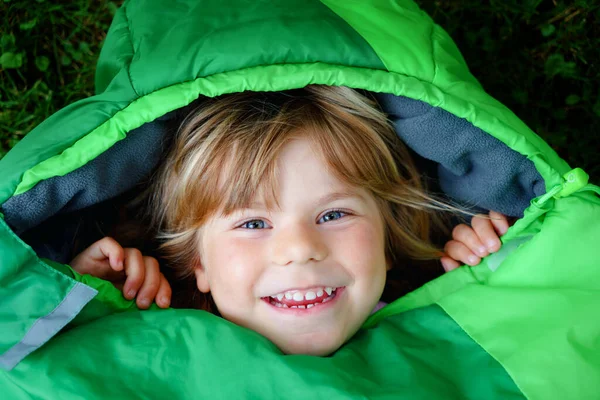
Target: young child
288	209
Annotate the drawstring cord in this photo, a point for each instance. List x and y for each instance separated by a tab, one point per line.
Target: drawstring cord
575	180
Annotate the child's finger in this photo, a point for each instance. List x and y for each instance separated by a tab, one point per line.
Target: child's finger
135	271
466	235
449	264
163	297
460	252
151	284
105	249
484	229
500	222
113	251
108	248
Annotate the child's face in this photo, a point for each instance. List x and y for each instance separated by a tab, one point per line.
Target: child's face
326	235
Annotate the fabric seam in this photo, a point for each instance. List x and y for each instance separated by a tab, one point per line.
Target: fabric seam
51	271
91	293
433	56
484	349
130	37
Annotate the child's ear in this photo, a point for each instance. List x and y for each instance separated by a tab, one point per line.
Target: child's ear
201	278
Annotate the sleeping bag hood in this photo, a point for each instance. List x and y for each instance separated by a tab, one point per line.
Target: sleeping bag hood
522	324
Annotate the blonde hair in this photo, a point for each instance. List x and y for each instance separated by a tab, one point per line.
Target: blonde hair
225	153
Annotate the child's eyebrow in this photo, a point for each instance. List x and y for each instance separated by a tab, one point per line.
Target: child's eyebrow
328	198
339	196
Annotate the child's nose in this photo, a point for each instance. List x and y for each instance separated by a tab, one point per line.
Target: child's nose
298	244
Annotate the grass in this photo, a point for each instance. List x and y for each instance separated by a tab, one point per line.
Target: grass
539	57
48	52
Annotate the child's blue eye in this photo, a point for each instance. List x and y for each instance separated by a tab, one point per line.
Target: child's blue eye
254	224
331	216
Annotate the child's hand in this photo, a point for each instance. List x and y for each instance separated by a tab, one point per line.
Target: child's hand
127	269
470	243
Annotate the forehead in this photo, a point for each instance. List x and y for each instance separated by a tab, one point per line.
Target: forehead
303	158
300	165
302	175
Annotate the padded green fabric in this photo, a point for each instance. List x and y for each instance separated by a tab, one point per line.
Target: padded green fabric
522	325
405	357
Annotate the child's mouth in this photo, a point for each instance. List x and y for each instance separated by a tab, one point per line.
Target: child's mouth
303	299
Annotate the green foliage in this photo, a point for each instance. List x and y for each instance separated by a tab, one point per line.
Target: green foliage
48	52
11	60
539	57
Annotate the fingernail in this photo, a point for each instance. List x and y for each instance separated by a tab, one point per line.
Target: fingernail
481	250
473	259
492	244
131	294
144	303
164	301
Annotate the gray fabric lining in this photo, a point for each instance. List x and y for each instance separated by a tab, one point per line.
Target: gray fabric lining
46	327
105	177
473	168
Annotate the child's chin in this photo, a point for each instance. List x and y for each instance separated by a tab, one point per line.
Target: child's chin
316	347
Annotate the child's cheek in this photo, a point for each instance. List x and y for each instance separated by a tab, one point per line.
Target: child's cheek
235	266
361	246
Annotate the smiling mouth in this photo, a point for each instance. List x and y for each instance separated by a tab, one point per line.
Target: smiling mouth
302	299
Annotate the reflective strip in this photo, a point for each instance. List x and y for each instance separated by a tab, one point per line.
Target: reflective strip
494	260
45	327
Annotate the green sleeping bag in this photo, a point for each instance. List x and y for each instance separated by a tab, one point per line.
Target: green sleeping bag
524	323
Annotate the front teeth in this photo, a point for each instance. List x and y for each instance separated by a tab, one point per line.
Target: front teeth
298	296
310	295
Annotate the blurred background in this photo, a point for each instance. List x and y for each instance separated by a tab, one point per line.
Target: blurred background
541	58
